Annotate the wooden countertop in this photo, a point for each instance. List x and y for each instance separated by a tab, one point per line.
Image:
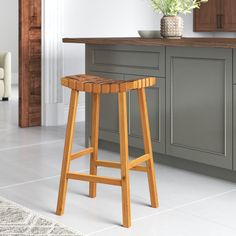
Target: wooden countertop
184	42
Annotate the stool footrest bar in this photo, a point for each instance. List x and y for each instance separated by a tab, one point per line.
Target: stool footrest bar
139	168
117	165
94	179
139	160
81	153
110	164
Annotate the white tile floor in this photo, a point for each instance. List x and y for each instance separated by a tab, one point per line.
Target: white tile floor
30	161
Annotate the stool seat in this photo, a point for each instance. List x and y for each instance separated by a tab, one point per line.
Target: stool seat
96	84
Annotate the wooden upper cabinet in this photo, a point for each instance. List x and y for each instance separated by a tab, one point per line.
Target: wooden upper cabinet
215	16
229	15
207	17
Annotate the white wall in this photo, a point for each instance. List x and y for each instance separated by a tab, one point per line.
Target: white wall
110	18
9	32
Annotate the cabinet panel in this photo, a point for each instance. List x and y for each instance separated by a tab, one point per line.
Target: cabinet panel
126	59
234	66
199	105
109	124
156	109
229	15
205	18
234	129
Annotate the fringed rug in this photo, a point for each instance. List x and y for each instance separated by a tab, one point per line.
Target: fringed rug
16	220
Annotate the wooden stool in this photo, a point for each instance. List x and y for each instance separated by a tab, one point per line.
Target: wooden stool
96	86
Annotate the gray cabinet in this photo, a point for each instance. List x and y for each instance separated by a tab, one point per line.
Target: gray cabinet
190	108
128	62
199	105
109	124
156	109
234	65
135	60
234	127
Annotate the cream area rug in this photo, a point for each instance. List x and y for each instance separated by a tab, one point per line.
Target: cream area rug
16	220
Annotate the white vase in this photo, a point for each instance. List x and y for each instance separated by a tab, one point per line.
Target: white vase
172	27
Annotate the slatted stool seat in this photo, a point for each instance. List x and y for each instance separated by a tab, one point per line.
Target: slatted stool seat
96	86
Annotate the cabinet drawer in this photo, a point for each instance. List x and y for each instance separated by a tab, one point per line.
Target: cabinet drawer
126	59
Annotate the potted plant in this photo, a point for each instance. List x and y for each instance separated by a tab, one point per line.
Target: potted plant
172	24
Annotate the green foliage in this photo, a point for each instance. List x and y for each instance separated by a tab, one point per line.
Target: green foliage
174	7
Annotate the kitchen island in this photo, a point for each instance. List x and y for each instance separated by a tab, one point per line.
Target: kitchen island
192	107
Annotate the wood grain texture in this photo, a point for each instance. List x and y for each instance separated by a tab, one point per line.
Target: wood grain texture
94	142
229	15
67	152
216	16
148	147
81	153
94	179
139	160
206	19
30	63
96	85
184	42
124	158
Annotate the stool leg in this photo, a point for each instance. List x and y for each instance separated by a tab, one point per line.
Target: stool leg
67	152
148	146
94	141
124	156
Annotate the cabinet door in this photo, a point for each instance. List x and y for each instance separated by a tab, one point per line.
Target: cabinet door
109	123
234	66
199	105
156	109
207	18
229	15
234	134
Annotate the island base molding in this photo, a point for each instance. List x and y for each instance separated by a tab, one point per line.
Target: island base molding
176	162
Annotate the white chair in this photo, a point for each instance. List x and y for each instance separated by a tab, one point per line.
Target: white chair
5	75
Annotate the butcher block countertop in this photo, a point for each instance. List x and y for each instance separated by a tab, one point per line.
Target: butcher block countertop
184	42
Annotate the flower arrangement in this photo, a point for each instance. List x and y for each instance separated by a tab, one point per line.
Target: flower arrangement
174	7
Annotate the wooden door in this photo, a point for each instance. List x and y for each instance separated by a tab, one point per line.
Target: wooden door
30	63
229	15
208	17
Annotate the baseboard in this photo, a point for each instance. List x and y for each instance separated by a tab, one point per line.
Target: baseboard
80	116
53	114
15	79
176	162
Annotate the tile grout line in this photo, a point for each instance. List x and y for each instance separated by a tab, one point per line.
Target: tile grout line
34	181
28	182
208	219
166	211
30	145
